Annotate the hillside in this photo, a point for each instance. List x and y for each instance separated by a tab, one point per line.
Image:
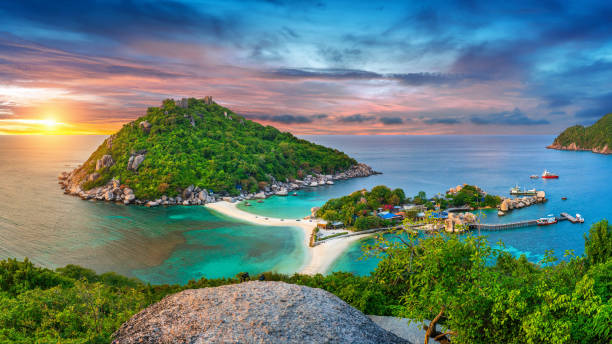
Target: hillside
596	138
198	145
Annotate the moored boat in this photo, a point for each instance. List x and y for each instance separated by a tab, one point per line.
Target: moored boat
260	201
549	175
517	191
579	218
294	194
564	198
545	221
534	176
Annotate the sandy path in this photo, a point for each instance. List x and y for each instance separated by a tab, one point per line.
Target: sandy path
318	259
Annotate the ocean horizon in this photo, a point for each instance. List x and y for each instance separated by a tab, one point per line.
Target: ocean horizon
177	244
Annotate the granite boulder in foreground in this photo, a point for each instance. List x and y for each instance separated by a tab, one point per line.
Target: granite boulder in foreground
252	312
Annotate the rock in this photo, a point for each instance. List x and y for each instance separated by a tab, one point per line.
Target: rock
135	161
145	126
504	205
541	194
313	211
252	312
105	161
282	192
500	213
109	196
208	100
187	192
93	176
260	195
151	204
202	195
185	202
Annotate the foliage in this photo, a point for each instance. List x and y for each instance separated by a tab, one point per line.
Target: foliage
474	197
597	135
218	152
486	294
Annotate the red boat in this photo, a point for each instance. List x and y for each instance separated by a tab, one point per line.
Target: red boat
549	175
545	221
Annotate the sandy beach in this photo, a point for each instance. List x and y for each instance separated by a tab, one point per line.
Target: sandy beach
318	259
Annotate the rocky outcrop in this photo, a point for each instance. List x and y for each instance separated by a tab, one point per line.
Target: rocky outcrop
104	162
252	312
573	147
135	160
145	126
508	204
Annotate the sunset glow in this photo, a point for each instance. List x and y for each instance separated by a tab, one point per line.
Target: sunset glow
309	68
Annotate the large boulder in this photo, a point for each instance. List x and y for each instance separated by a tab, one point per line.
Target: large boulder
252	312
135	161
105	161
505	205
145	126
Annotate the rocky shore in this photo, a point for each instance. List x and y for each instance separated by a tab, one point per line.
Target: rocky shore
508	204
114	191
573	147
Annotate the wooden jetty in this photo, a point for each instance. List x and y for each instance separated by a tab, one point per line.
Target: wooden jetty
519	224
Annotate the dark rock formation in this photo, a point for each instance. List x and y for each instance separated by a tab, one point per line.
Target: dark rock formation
252	312
135	161
105	161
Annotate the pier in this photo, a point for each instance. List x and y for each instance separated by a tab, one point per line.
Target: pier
520	224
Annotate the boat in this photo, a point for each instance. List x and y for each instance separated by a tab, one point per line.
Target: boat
549	175
294	194
260	201
545	221
564	198
534	176
517	191
579	218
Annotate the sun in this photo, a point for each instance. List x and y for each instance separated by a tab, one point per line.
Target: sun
49	123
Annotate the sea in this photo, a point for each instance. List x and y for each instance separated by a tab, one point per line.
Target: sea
178	244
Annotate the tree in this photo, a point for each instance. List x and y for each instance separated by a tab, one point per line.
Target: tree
598	243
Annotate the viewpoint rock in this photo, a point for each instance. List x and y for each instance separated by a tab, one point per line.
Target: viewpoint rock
252	312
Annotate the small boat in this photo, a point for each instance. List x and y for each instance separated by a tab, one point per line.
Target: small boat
294	194
564	198
545	221
517	191
579	218
260	201
534	176
549	175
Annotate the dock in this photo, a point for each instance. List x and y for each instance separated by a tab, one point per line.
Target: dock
520	224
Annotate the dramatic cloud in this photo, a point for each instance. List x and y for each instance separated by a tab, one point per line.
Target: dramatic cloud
356	118
442	121
598	106
515	117
372	66
391	120
285	119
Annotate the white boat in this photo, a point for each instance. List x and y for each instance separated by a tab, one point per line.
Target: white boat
579	218
544	221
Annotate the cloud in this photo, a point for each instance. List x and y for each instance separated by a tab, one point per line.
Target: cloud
558	100
441	121
514	117
284	119
598	107
391	120
413	79
356	118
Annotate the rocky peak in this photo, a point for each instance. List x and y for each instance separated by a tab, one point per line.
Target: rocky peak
252	312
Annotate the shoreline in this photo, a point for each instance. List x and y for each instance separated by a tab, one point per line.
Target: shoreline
318	259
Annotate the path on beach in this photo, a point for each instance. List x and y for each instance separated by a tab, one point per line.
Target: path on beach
319	258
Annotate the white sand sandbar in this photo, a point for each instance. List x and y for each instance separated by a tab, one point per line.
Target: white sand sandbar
318	259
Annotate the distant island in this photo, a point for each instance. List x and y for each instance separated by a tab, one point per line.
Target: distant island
596	138
194	151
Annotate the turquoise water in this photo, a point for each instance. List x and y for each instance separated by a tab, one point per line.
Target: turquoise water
158	245
173	245
496	163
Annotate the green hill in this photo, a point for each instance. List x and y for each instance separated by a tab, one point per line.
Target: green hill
596	138
198	142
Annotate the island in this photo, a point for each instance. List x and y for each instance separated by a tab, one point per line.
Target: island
596	138
195	151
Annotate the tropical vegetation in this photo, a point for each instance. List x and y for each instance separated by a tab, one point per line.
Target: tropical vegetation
596	136
475	293
207	145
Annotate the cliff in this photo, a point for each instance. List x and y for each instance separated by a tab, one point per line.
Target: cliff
192	151
596	138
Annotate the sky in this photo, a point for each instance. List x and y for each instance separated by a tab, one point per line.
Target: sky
327	67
